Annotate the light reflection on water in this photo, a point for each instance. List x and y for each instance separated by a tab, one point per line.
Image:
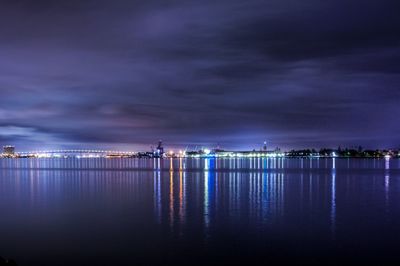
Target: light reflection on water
190	164
114	206
333	198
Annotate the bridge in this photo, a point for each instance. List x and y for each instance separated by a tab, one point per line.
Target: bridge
77	152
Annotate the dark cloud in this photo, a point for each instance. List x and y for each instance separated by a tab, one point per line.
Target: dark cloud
126	73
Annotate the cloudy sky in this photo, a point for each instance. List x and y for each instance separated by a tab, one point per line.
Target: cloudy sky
124	74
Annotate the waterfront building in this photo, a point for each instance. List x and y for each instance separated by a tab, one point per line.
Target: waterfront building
9	150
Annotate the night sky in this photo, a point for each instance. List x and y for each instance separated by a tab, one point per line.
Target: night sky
123	74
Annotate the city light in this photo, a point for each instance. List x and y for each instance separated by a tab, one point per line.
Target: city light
10	152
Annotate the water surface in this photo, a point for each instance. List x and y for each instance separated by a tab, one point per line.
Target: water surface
191	211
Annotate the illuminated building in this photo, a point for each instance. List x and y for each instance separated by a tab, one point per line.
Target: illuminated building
9	150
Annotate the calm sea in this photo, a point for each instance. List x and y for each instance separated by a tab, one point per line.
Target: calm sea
199	211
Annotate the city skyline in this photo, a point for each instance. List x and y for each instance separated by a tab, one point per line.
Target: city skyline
195	147
160	151
123	75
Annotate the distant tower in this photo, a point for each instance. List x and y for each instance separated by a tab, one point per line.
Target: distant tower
160	149
265	146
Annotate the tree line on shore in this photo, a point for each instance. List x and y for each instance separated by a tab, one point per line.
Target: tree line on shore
344	152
